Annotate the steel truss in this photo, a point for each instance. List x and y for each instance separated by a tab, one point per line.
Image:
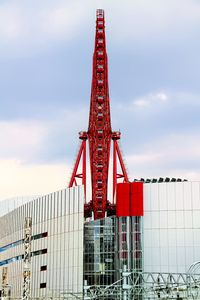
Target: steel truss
146	285
27	259
99	136
5	292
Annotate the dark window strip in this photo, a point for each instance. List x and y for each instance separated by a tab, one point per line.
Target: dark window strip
19	257
14	244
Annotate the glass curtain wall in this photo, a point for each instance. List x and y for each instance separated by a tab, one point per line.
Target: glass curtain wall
112	245
128	242
99	252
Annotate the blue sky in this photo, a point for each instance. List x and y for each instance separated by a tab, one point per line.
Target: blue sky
45	79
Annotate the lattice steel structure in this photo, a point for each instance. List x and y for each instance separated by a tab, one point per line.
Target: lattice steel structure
5	292
99	135
27	259
148	285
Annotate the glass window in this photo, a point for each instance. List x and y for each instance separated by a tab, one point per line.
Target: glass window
43	268
43	285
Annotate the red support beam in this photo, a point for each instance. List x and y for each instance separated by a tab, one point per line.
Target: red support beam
123	168
117	156
114	169
75	174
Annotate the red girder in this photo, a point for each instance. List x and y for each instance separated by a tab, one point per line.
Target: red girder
99	133
81	154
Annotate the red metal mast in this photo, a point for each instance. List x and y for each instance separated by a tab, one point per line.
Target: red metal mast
99	134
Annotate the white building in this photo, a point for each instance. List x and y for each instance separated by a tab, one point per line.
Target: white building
171	226
56	246
165	239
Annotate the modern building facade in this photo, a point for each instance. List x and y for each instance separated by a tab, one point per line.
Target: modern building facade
56	245
70	254
171	226
110	244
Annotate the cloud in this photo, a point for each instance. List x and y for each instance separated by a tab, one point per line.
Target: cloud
172	155
147	21
62	140
41	141
21	139
36	156
150	99
33	26
30	27
171	111
62	19
17	179
10	22
142	108
156	122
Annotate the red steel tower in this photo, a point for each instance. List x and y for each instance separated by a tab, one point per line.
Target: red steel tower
99	135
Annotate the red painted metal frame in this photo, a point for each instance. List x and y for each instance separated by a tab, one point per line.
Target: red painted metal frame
99	134
75	173
116	175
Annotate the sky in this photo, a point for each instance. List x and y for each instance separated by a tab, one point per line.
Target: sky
46	52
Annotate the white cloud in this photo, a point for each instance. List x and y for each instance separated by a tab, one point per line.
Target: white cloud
25	145
33	25
162	97
17	179
150	20
10	22
21	139
149	100
173	155
165	104
36	24
30	141
141	102
62	20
